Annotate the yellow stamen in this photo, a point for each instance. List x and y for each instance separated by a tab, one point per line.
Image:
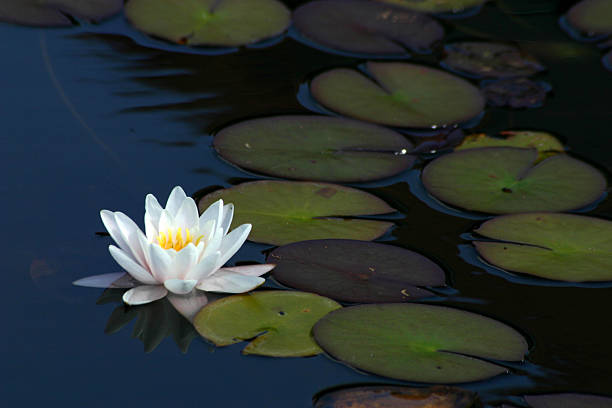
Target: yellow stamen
168	240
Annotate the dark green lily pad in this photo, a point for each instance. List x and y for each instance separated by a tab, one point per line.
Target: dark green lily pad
209	22
490	60
315	148
287	211
399	94
54	13
436	6
544	142
355	271
502	180
414	342
568	400
593	17
280	321
366	27
515	92
391	396
562	247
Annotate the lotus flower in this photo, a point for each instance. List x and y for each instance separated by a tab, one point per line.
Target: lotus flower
180	252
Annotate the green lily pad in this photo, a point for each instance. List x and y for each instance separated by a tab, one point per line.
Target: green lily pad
568	400
437	6
562	247
280	322
366	27
54	13
355	271
544	142
399	94
282	212
414	342
315	148
593	17
502	180
209	22
390	396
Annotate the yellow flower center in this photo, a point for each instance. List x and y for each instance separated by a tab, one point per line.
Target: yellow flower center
178	241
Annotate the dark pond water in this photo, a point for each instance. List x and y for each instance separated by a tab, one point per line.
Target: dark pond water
91	121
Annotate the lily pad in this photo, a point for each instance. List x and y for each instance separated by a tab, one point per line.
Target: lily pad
280	322
399	94
389	396
414	342
209	22
490	60
356	271
593	17
562	247
282	212
54	13
437	6
607	60
362	26
502	180
315	148
568	400
544	142
515	92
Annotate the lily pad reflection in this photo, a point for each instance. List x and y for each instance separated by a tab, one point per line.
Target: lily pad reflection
592	17
55	13
515	92
437	6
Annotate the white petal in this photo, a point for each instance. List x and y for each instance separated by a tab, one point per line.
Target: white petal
213	244
214	212
175	200
129	232
160	261
108	280
166	222
250	270
228	215
152	213
179	286
189	305
187	216
184	261
230	282
108	219
205	267
131	267
141	295
232	242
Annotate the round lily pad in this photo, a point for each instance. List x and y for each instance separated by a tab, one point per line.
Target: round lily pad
562	247
362	26
414	342
315	148
436	6
54	13
593	17
490	60
282	212
280	322
399	94
209	22
501	180
356	271
568	400
515	92
390	396
544	142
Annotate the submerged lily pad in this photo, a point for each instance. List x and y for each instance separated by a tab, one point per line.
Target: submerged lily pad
593	17
287	211
355	271
54	13
501	180
391	396
491	60
280	322
568	400
562	247
315	148
399	94
414	342
366	27
437	6
544	142
209	22
515	92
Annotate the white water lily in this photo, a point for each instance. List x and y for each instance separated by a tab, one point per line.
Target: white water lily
180	251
